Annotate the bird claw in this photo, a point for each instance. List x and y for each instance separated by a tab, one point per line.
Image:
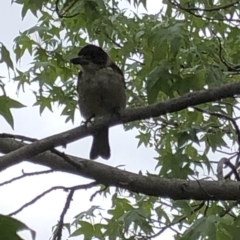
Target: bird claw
89	121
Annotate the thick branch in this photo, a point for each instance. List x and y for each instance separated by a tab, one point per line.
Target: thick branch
153	186
175	189
129	115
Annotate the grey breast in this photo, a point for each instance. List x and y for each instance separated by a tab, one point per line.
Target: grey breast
101	93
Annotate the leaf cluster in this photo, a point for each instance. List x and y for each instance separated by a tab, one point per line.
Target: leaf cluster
186	46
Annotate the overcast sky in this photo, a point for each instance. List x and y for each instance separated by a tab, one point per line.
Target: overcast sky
45	213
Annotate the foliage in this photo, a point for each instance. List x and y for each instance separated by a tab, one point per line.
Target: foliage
186	46
10	226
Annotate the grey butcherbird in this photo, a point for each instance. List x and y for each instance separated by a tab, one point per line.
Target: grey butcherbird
101	90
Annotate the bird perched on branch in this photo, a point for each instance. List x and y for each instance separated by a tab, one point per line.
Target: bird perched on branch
101	90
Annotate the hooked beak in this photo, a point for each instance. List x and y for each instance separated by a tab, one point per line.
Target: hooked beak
79	60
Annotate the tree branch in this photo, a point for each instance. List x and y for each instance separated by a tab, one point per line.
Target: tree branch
228	5
153	186
128	115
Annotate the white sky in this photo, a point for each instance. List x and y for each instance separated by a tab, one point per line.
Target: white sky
46	212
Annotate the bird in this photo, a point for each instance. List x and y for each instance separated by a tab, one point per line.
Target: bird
101	91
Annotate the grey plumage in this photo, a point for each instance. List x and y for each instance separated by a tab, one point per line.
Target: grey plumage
101	90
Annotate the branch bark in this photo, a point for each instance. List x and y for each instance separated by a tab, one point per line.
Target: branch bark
128	115
152	186
17	152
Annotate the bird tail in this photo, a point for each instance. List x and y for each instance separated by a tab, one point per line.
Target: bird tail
100	145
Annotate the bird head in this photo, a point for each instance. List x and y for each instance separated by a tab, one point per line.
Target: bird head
91	58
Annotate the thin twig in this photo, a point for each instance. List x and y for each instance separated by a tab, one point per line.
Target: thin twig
97	192
77	187
175	222
58	234
229	208
223	116
174	3
37	198
205	9
25	175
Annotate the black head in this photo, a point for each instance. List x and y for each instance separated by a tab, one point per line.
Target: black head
91	54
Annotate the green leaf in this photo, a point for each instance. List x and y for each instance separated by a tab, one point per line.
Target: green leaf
6	104
158	80
9	227
86	229
5	56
